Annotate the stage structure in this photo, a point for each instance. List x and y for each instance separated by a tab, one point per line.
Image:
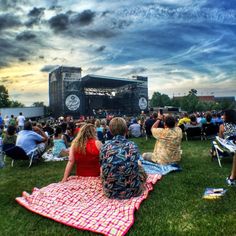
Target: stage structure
71	94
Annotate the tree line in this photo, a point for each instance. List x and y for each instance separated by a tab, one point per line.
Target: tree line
190	102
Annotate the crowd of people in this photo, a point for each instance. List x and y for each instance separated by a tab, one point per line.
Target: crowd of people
102	147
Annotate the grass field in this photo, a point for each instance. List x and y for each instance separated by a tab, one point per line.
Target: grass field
174	207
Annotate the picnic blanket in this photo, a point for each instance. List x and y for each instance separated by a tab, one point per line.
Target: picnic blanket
154	168
80	203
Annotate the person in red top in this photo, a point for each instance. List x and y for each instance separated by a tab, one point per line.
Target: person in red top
84	152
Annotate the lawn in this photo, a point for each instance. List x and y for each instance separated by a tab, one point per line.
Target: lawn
174	207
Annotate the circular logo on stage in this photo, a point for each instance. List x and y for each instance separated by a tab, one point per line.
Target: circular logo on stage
72	102
142	103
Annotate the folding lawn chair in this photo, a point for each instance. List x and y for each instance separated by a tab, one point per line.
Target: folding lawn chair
17	153
223	148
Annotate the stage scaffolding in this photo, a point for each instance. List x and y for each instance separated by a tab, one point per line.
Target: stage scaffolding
71	94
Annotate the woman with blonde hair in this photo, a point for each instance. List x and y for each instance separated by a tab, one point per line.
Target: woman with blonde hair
84	152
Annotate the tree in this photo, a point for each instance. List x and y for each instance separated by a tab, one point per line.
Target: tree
4	97
38	104
193	92
160	100
15	103
189	103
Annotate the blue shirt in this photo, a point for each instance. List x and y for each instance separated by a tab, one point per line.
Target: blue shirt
1	121
28	140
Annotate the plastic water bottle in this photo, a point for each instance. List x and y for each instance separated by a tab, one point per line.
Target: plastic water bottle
1	154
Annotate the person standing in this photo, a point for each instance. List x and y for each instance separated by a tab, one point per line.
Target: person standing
6	121
12	121
20	121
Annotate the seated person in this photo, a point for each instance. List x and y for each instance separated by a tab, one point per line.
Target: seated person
100	130
60	145
193	123
84	152
219	120
228	131
184	120
228	128
9	138
168	140
135	129
149	123
122	175
29	139
207	119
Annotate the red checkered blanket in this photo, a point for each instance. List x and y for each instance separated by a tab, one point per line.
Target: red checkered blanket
80	203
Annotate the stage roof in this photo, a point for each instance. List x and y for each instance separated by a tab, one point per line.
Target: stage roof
96	81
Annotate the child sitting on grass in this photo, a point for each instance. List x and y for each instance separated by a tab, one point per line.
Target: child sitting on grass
60	146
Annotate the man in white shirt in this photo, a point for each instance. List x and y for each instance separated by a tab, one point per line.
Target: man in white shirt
20	121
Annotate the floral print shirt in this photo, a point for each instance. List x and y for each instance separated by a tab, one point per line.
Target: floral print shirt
120	171
168	143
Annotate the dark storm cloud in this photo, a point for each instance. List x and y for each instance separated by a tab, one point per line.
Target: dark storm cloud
98	33
55	8
31	22
48	68
11	50
25	36
36	12
9	21
22	59
121	24
101	49
137	70
34	16
105	13
84	18
59	22
20	47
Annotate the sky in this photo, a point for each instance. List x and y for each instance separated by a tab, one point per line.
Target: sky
177	44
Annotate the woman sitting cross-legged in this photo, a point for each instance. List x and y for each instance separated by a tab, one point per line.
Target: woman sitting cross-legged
84	152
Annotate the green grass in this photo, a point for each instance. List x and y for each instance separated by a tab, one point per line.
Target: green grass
174	207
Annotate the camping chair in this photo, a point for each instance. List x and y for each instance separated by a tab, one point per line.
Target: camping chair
17	153
210	130
193	133
223	148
